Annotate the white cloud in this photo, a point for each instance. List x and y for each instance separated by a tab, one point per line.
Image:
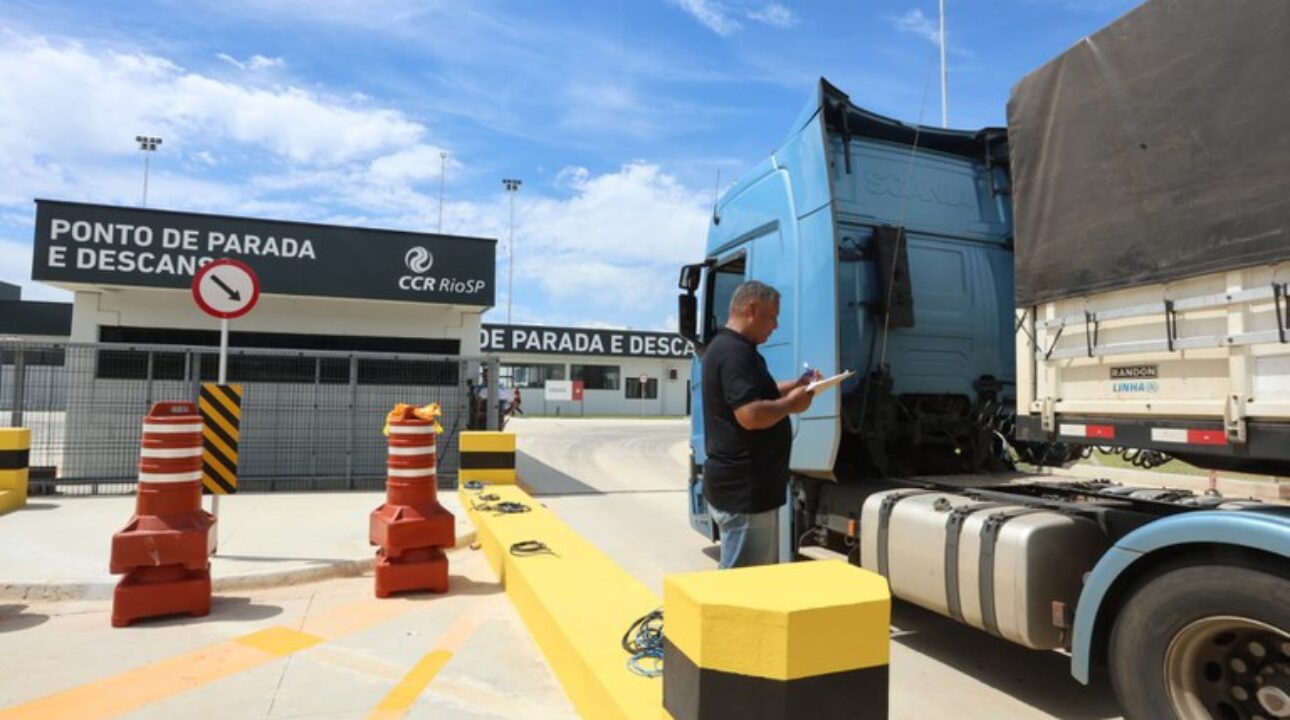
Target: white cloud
916	23
68	100
255	62
712	14
413	164
773	14
15	268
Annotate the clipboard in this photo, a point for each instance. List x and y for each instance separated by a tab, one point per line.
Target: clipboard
829	382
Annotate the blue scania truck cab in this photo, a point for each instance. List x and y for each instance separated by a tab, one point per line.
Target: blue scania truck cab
892	247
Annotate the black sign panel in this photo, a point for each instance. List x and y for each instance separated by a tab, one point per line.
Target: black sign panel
106	245
582	341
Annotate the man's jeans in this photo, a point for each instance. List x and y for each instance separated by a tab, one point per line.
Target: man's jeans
747	538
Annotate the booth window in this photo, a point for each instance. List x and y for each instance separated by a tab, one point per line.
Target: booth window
596	377
633	389
296	366
530	376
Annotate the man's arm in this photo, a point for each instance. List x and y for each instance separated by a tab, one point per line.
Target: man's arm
761	414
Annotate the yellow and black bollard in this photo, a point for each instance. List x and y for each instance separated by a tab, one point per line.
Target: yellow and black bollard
486	456
800	640
15	458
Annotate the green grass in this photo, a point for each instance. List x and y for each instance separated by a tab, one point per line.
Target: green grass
1173	467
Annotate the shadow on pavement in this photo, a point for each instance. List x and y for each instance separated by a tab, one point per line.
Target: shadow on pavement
223	609
546	480
1038	678
284	558
13	619
39	506
460	585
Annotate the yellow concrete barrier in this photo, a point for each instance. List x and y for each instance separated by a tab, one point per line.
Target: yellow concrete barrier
576	602
486	456
15	451
799	640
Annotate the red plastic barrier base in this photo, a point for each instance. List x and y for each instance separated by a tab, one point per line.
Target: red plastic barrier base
419	569
154	591
151	540
402	528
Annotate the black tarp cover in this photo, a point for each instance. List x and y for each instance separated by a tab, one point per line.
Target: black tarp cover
1156	149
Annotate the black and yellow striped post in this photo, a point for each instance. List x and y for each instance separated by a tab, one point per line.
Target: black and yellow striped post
799	640
15	456
221	410
487	456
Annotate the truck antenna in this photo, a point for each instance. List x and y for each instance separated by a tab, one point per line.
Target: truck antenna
716	195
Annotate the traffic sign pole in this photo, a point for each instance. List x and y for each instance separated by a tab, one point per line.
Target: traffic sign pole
223	380
224	289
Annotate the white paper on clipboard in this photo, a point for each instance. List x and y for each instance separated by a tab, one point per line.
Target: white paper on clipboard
829	382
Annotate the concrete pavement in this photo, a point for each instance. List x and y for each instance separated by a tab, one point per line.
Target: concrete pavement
621	484
319	650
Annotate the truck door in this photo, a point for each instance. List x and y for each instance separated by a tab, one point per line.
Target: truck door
724	276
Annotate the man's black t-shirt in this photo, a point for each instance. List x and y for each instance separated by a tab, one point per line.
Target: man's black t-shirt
746	470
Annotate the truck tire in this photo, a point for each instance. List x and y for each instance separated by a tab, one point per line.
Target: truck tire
1204	641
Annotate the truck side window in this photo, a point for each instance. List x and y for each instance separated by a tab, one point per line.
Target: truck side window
725	278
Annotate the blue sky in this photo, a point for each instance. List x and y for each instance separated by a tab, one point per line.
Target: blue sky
617	115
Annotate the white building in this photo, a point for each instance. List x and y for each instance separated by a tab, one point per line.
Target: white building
621	372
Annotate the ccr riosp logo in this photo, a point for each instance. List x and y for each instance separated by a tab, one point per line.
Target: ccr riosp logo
418	259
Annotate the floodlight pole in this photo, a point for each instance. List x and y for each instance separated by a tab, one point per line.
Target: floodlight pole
512	186
148	144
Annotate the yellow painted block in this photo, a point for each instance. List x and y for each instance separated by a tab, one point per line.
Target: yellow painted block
781	622
11	500
15	438
493	477
577	604
486	441
483	531
13	489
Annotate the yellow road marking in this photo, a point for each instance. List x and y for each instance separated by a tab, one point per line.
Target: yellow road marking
279	641
399	700
147	684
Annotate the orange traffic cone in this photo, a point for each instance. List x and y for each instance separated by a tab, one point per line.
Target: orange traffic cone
411	528
163	550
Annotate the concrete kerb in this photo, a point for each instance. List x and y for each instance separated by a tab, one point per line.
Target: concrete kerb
57	549
102	590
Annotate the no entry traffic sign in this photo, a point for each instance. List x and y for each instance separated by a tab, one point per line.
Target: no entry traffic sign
226	288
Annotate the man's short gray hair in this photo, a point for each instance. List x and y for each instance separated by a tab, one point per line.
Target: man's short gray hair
750	291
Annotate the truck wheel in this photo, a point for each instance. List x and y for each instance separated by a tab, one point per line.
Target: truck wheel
1205	641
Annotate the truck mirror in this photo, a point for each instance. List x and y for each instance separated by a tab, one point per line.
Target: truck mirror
691	275
688	317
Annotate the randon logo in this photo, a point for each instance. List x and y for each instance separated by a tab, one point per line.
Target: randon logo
418	259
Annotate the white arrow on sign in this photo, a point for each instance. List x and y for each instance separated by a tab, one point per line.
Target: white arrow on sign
226	288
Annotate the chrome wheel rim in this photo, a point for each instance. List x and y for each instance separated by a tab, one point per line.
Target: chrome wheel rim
1229	668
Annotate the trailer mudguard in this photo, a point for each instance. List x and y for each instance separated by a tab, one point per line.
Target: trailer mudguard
1265	530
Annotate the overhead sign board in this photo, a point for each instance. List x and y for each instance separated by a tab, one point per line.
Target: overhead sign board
226	288
108	245
582	341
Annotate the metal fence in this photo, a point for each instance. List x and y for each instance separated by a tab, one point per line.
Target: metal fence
310	420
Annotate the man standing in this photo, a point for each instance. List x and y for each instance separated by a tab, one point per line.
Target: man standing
746	429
